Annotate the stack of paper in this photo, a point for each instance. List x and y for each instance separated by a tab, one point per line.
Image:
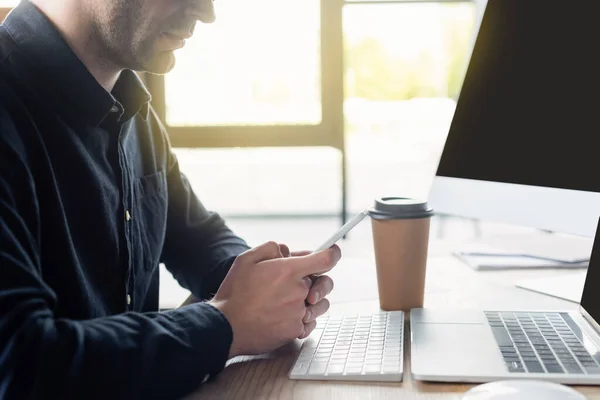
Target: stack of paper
488	257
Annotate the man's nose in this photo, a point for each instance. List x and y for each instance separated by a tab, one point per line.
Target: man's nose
203	11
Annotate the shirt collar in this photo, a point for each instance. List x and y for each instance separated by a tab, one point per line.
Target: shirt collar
39	40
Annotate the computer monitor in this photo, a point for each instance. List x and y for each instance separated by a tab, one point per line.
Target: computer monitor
523	146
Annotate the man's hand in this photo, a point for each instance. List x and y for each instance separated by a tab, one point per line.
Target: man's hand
264	296
316	302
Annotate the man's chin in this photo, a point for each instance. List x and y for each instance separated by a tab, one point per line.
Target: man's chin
161	63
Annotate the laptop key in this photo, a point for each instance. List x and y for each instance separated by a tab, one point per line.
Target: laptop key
515	367
589	364
534	367
502	337
572	368
554	368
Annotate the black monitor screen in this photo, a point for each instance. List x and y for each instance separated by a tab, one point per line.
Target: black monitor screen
529	109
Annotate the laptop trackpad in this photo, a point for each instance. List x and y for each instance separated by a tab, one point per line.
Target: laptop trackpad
440	316
453	351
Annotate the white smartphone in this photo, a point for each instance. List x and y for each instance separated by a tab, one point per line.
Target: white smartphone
347	227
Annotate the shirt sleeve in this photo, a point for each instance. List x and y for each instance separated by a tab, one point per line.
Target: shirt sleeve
155	355
199	247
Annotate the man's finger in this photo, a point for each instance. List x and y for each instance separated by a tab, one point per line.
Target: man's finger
316	263
308	328
314	312
266	251
322	286
301	253
308	283
285	250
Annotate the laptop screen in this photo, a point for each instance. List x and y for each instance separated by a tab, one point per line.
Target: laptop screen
590	300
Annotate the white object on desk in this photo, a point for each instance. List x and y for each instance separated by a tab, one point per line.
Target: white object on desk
367	347
566	286
558	247
495	262
522	390
529	255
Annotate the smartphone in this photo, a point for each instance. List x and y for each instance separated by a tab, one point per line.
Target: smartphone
347	227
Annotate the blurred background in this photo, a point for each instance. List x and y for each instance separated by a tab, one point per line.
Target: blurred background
289	110
260	64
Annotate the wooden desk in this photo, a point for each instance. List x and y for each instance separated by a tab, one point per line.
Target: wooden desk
3	13
450	284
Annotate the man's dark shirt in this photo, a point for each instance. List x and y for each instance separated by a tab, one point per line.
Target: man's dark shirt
91	201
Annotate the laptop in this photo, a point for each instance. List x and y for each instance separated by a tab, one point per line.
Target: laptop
481	346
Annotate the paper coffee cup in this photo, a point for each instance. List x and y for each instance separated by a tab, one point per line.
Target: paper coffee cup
400	238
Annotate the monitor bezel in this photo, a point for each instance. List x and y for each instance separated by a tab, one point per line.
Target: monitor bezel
559	210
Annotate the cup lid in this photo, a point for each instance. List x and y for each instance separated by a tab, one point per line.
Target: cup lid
400	208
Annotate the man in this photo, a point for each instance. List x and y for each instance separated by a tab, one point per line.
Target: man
92	199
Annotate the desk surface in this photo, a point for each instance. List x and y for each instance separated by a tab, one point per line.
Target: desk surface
3	13
450	284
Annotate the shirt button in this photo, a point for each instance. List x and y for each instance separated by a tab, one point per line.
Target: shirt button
114	109
127	216
128	299
206	377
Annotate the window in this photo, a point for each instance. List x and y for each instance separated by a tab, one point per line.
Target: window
264	181
262	75
257	64
259	77
403	69
403	72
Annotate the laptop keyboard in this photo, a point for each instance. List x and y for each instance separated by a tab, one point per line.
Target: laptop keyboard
367	347
540	343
